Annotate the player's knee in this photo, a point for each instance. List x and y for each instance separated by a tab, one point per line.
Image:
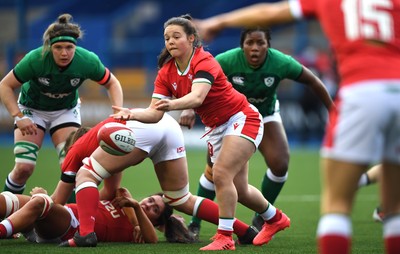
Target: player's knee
61	152
11	204
279	167
26	153
94	168
221	177
176	198
42	203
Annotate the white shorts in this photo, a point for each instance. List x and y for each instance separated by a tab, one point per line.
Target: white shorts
163	140
275	117
49	120
246	124
366	127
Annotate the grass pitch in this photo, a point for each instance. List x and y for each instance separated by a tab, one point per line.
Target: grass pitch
299	199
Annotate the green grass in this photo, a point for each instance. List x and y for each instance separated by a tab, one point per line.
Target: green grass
299	199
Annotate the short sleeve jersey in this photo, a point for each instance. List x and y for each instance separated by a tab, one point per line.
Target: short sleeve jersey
49	88
81	149
221	102
365	35
259	85
112	224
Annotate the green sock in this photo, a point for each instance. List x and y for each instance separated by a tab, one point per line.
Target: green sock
13	187
206	193
20	191
270	188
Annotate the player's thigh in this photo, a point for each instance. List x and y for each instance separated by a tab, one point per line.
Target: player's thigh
233	156
55	224
340	183
172	174
36	139
61	134
274	146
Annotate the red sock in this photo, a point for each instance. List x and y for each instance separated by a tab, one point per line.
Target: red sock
392	244
239	227
224	232
277	217
208	211
87	200
3	228
333	244
3	231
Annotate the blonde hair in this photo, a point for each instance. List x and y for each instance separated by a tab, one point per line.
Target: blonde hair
63	26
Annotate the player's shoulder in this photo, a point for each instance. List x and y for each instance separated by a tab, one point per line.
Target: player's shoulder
201	54
36	55
279	56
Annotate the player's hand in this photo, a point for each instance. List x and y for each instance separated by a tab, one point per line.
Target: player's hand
137	235
121	113
124	202
187	118
26	126
37	190
208	29
165	105
123	192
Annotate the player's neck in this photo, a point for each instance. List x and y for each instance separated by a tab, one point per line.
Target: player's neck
183	62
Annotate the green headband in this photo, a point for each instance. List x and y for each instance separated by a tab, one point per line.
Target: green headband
63	38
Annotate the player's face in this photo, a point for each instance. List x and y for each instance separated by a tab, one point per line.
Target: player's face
63	53
153	207
255	47
178	44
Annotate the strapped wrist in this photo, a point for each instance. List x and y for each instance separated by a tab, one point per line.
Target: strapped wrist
19	116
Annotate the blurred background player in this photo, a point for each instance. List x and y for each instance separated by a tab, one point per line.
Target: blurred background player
256	70
364	128
49	78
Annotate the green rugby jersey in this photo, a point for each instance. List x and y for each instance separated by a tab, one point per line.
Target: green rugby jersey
49	88
259	85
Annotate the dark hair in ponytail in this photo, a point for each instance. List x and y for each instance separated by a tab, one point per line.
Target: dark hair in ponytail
177	232
189	28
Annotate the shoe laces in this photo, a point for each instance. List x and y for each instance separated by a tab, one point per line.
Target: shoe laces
221	239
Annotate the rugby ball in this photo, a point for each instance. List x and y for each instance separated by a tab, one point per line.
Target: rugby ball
116	138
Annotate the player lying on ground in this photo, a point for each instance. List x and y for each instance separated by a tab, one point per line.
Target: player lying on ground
121	220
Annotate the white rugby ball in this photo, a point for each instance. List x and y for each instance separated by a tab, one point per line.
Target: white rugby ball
116	138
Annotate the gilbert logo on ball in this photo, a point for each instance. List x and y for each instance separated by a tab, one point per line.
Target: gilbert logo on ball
116	138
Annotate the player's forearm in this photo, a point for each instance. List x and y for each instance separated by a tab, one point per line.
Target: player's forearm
146	227
263	14
115	92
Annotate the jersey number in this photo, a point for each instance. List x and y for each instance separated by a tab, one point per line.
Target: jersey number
109	207
368	19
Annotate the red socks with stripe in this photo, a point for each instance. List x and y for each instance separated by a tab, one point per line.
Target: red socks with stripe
87	200
208	211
